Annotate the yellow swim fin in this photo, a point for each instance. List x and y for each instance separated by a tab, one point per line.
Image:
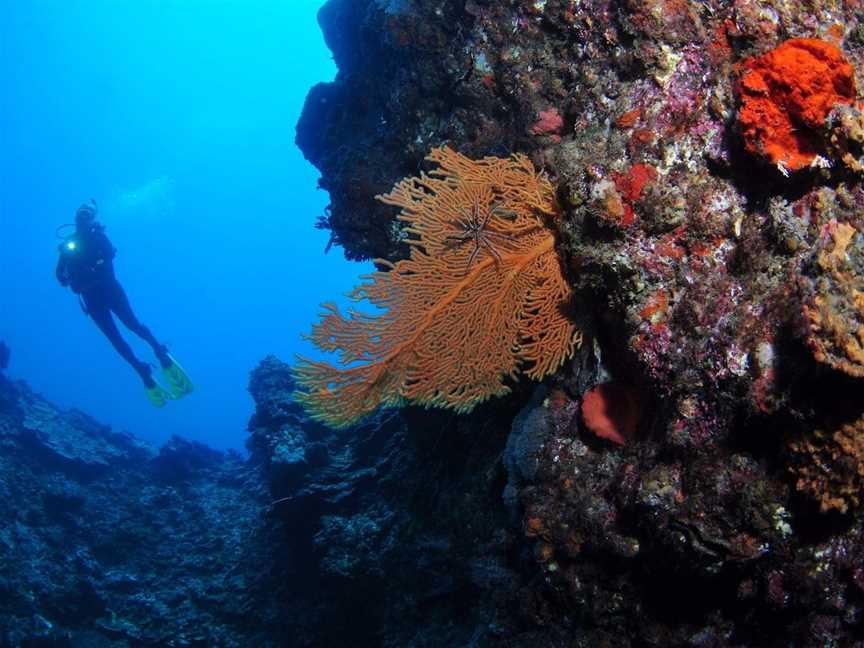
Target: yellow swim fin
177	379
158	395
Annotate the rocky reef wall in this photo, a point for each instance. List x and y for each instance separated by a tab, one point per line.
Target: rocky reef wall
694	475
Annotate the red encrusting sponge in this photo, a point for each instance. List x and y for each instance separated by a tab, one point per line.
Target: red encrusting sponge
786	95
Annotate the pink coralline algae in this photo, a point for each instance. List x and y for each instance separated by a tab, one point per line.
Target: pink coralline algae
550	123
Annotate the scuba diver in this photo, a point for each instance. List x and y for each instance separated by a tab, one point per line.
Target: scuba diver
86	266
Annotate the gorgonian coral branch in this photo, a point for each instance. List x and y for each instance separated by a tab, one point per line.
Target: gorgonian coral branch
464	312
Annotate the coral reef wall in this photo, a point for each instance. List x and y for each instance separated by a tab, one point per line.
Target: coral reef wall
694	476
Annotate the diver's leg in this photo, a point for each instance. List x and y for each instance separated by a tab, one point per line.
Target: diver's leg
101	314
121	307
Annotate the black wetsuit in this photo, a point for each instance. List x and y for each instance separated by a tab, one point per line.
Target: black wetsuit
86	265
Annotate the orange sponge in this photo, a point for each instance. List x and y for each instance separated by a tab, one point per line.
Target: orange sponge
611	411
786	94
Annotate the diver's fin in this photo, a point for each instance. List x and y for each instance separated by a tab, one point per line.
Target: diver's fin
158	395
178	380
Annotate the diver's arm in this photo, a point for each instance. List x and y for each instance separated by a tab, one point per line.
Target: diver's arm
105	252
62	270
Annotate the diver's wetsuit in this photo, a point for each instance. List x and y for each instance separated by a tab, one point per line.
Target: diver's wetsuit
86	265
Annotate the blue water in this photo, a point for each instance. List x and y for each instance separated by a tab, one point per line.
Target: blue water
178	118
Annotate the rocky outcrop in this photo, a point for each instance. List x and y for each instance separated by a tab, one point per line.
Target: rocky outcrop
407	81
106	541
396	528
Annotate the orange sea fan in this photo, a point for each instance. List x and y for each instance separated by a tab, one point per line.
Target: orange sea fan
481	298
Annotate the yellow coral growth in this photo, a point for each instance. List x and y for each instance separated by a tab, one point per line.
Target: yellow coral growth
837	312
830	467
480	298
